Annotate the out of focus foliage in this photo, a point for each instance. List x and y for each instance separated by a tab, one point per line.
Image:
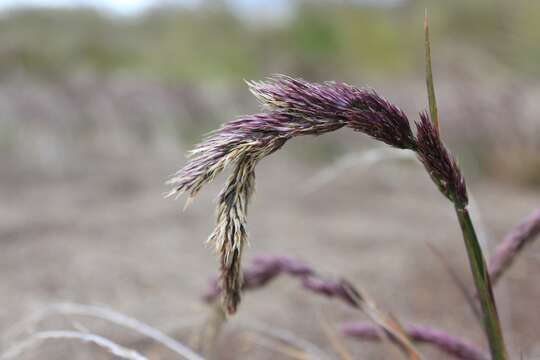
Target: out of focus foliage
321	40
178	69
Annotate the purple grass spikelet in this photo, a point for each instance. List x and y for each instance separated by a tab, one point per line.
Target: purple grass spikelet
362	110
514	242
382	121
459	348
258	134
297	107
242	143
264	269
439	163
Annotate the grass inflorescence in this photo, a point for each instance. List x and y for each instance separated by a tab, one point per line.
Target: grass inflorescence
295	107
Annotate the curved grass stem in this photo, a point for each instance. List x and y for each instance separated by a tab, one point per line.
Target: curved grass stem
482	282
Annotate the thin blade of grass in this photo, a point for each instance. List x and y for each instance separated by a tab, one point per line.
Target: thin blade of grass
206	339
334	340
276	346
429	76
311	350
362	160
471	300
134	324
36	339
391	326
115	318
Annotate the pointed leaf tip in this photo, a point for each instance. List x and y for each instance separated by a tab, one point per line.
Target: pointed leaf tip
429	75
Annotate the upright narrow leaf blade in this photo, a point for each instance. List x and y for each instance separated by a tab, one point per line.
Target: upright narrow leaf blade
429	76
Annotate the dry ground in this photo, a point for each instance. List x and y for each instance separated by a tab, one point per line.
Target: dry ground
97	230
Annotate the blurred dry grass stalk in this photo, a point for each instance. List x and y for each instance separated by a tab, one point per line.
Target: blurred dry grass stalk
513	243
265	269
14	347
35	339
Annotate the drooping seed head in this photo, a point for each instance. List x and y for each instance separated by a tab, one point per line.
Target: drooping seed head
298	108
299	97
378	118
361	109
258	135
230	233
439	163
241	143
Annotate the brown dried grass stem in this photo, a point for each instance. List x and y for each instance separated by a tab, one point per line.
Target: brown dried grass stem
265	269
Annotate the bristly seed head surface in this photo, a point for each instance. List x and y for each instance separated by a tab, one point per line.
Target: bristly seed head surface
296	107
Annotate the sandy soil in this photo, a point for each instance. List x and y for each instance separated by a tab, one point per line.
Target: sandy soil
98	231
108	237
